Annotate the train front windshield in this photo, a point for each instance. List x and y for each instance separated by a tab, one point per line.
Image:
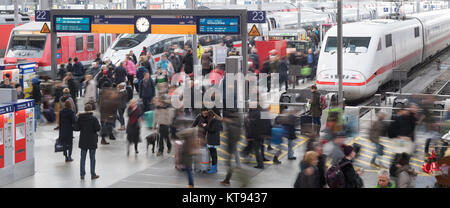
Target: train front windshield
127	41
27	43
350	44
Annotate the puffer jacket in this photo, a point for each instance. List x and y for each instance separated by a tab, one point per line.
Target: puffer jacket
164	115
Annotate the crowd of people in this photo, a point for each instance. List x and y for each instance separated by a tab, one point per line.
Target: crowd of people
110	90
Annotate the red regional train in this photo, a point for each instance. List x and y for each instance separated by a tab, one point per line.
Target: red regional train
7	24
28	44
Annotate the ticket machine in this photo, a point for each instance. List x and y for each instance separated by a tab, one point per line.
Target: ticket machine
6	144
24	138
27	72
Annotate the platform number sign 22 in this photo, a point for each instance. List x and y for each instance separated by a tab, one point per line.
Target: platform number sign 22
256	17
42	15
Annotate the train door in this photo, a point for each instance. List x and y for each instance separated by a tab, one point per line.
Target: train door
108	40
59	51
102	43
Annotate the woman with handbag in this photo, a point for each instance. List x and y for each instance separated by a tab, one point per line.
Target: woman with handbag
133	128
66	122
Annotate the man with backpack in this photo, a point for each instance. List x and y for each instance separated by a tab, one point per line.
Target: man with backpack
316	107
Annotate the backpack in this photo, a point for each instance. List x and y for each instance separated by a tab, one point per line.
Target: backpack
323	103
335	177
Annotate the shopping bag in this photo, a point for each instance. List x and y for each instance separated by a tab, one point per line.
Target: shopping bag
59	147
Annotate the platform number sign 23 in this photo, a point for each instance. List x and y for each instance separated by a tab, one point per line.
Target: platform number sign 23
42	15
256	16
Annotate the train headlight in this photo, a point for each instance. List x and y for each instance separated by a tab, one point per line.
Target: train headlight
324	76
356	77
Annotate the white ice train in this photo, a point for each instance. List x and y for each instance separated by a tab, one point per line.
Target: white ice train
155	43
373	49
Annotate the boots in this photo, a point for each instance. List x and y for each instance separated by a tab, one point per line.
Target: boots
275	160
111	137
104	141
213	169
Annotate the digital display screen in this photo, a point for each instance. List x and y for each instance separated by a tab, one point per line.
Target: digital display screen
218	25
77	24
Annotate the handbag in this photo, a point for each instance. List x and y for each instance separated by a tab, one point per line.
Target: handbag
59	147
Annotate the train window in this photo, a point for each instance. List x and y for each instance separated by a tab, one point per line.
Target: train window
350	44
416	32
58	43
27	42
79	44
127	41
90	42
388	40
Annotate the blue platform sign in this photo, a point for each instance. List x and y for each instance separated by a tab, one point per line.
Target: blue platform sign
218	25
42	16
396	10
256	16
72	23
386	9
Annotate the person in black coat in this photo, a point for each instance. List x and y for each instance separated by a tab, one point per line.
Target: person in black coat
352	178
120	73
78	72
66	122
133	128
283	72
147	91
69	67
254	135
188	62
88	126
213	128
321	165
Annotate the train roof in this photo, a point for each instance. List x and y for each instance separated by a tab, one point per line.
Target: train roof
371	27
7	17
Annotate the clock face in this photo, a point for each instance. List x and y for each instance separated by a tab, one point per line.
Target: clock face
142	24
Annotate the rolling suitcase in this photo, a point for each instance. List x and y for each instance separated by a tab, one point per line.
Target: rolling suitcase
178	145
148	116
202	163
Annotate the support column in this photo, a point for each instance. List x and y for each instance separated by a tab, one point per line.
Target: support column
339	52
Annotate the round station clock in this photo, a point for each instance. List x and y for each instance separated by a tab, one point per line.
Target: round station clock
142	25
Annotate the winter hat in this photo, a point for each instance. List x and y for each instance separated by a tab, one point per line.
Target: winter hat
104	72
347	149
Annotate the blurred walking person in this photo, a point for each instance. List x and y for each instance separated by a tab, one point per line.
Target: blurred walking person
88	126
90	93
133	128
123	97
108	105
352	177
164	115
66	122
375	133
309	173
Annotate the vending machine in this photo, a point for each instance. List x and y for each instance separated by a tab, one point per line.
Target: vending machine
6	144
24	138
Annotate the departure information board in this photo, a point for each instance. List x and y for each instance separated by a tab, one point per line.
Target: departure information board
174	25
113	24
73	23
218	25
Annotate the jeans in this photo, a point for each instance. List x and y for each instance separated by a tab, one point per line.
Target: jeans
316	120
190	175
164	134
83	161
120	112
107	129
79	79
379	151
290	146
